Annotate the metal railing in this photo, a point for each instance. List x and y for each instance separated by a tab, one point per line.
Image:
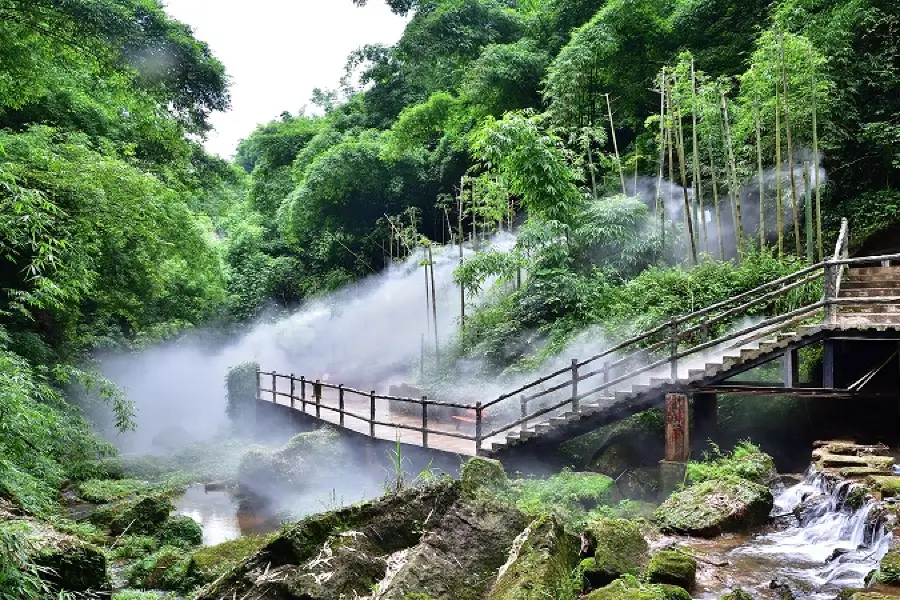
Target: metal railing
652	358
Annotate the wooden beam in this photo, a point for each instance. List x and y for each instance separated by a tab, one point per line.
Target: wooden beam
678	443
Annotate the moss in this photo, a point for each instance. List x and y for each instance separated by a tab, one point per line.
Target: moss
211	562
620	549
737	594
543	558
73	566
715	506
570	496
482	473
630	588
746	461
181	532
888	486
141	515
889	569
672	567
109	490
139	595
131	547
856	497
165	569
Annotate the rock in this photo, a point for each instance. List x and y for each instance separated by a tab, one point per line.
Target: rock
181	532
782	589
812	507
137	516
887	486
299	553
889	568
165	569
458	559
619	549
209	563
72	565
672	567
539	565
632	589
872	596
737	594
485	473
265	473
715	506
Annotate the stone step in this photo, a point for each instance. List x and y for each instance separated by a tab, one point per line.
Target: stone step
696	373
640	388
870	308
863	284
659	381
873	270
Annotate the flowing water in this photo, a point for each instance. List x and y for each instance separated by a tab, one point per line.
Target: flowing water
823	545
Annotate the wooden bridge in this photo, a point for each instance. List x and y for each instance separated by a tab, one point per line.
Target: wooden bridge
700	353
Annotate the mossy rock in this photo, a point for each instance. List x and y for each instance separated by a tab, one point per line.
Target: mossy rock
889	569
484	473
716	506
888	486
540	564
139	516
131	547
630	588
738	594
180	531
872	596
209	563
71	564
672	567
620	549
165	569
290	469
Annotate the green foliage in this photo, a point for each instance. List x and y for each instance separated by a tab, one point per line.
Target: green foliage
240	389
139	595
567	495
131	547
107	490
746	461
211	562
19	576
180	531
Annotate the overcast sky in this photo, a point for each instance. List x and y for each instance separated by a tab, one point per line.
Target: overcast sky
277	51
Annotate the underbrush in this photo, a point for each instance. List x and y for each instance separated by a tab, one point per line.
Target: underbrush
746	461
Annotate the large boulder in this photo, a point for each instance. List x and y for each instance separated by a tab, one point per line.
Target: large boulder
672	567
619	548
539	565
483	473
889	568
142	515
715	506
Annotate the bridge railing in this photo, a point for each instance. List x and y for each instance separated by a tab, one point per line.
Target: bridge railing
365	411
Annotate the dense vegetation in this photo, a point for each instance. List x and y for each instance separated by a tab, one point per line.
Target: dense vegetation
118	230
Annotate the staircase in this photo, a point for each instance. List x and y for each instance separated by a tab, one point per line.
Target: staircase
870	283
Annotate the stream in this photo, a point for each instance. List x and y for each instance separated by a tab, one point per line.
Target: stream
830	547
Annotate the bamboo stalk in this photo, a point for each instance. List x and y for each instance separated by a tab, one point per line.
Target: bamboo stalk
695	149
437	348
762	182
462	290
779	188
815	127
715	185
612	130
807	180
660	206
688	219
736	192
790	150
669	140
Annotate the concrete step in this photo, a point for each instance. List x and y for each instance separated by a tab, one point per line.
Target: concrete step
863	284
873	270
869	318
640	388
696	373
658	382
870	308
868	292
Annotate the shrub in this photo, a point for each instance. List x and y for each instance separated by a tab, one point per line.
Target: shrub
108	490
181	532
568	495
130	547
746	461
165	569
240	385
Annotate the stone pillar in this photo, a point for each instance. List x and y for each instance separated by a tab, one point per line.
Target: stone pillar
705	418
678	443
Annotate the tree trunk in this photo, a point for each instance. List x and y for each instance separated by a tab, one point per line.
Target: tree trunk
779	188
612	130
736	192
660	206
815	128
695	149
762	181
437	348
790	151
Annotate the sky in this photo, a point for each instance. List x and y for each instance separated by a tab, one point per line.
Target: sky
277	51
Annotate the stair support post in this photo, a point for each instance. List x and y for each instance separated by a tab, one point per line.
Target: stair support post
574	385
828	365
341	404
791	364
673	350
478	411
424	421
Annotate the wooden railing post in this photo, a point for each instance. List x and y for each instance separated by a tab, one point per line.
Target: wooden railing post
274	385
673	350
424	421
704	330
606	371
372	414
317	395
829	286
258	384
574	385
478	411
303	393
341	404
523	406
292	391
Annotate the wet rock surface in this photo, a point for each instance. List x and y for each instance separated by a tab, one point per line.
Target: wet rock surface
619	548
716	506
